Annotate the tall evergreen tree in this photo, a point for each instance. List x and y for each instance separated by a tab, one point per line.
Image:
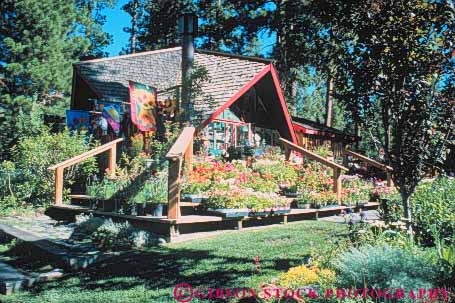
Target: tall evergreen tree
92	19
135	9
40	39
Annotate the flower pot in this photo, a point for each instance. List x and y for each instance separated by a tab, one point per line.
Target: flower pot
304	205
316	206
281	210
140	209
194	198
330	206
157	210
108	205
290	194
230	212
260	213
361	204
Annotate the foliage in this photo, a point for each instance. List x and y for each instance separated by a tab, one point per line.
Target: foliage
433	204
142	239
104	189
317	199
153	190
401	79
87	224
110	234
305	276
376	267
280	172
39	41
160	146
391	210
234	197
27	179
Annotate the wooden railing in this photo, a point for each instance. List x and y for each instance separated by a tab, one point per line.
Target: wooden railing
181	151
337	169
387	169
58	168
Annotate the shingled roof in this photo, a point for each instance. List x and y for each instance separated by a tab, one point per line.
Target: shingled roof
227	74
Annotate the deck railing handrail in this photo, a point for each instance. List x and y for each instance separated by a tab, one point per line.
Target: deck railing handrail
59	167
337	169
88	154
181	151
386	168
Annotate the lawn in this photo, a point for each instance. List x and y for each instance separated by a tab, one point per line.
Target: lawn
225	261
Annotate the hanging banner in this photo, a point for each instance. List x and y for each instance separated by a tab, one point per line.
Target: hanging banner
143	100
78	120
112	114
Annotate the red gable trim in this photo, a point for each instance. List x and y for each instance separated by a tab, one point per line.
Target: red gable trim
283	103
246	87
237	95
304	130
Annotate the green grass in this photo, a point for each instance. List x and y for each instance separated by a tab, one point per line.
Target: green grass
225	261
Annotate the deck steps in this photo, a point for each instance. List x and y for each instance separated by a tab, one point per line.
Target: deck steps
70	257
11	279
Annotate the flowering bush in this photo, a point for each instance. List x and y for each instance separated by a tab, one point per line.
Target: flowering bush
304	275
317	199
235	197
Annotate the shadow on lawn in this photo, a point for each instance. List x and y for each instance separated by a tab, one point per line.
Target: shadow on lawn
163	268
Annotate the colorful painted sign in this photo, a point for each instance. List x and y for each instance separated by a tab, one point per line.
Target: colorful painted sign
143	100
78	120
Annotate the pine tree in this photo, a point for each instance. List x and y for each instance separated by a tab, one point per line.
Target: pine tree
40	39
91	17
157	26
135	9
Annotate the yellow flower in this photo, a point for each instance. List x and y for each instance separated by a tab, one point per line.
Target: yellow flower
305	276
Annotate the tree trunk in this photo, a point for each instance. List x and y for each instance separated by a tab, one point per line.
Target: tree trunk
134	25
329	102
407	214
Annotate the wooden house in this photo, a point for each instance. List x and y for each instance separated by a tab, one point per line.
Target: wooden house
239	104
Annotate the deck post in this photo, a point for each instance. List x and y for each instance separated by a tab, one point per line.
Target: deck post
189	157
337	187
175	166
389	178
287	152
112	159
59	186
345	158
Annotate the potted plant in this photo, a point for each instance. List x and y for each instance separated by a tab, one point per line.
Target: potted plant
156	189
304	200
289	189
330	199
103	193
227	202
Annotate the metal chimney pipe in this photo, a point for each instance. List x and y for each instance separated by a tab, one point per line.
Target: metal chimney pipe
187	30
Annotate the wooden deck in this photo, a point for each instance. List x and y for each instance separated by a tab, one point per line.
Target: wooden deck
171	228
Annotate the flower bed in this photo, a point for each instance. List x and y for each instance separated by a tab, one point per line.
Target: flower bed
237	185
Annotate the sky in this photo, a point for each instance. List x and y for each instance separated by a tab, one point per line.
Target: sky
117	19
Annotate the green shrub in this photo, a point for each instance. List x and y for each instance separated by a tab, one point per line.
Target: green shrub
27	180
111	234
384	266
142	239
433	206
87	224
